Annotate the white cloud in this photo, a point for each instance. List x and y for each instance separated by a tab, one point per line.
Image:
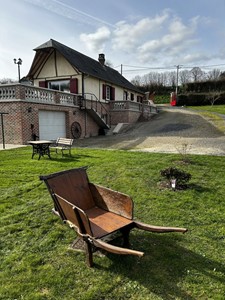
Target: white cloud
195	58
221	53
161	39
96	41
174	41
202	57
178	33
128	35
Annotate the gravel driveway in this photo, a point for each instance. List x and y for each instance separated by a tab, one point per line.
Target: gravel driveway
166	132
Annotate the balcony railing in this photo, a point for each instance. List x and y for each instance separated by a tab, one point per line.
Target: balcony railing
36	94
7	92
124	105
133	106
42	95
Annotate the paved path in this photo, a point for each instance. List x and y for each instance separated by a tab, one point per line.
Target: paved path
10	146
167	132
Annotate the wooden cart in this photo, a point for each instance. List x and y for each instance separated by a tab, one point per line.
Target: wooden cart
95	212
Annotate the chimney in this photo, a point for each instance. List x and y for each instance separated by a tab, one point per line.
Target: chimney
101	59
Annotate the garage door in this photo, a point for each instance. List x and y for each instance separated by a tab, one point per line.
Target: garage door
52	124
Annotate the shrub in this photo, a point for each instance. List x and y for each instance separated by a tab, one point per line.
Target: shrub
198	99
181	177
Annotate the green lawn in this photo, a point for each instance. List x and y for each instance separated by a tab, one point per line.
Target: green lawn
38	263
212	114
220	109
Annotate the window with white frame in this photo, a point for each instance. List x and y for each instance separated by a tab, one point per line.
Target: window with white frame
108	92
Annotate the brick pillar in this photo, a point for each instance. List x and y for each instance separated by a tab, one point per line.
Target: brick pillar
20	92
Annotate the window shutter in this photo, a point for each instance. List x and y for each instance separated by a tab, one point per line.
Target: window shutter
74	85
103	91
132	96
139	99
112	94
43	84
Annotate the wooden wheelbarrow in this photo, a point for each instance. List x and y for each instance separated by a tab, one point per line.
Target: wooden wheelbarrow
95	212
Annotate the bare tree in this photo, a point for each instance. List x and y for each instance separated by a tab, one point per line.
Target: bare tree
214	74
6	80
184	76
171	78
137	80
213	97
197	74
154	80
222	75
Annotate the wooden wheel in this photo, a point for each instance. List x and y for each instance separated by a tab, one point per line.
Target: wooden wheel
76	130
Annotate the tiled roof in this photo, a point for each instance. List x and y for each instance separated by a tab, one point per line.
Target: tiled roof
88	65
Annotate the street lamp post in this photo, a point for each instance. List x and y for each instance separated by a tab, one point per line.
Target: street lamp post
19	63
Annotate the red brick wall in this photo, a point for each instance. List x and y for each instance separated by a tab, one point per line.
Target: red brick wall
122	116
17	123
12	122
21	114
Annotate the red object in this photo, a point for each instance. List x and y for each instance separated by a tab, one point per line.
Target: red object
173	103
173	99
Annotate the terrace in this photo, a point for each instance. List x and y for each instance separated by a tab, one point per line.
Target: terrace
23	104
23	92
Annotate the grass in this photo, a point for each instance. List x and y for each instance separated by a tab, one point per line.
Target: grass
212	114
220	109
38	263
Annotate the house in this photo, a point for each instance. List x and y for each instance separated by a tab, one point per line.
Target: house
59	67
72	95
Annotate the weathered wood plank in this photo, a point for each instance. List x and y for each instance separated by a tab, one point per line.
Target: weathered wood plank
116	202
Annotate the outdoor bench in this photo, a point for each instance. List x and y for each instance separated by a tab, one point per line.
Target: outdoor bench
95	212
63	144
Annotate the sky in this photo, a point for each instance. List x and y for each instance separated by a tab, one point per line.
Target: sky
136	37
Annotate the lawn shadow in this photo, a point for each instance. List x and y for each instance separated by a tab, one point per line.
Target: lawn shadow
67	158
132	143
198	188
119	141
164	265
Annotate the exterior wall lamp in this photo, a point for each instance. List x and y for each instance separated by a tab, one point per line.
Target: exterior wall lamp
19	63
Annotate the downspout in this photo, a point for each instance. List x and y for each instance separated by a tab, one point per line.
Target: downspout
82	78
85	118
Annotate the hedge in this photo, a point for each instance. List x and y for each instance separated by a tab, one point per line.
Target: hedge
198	99
204	86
